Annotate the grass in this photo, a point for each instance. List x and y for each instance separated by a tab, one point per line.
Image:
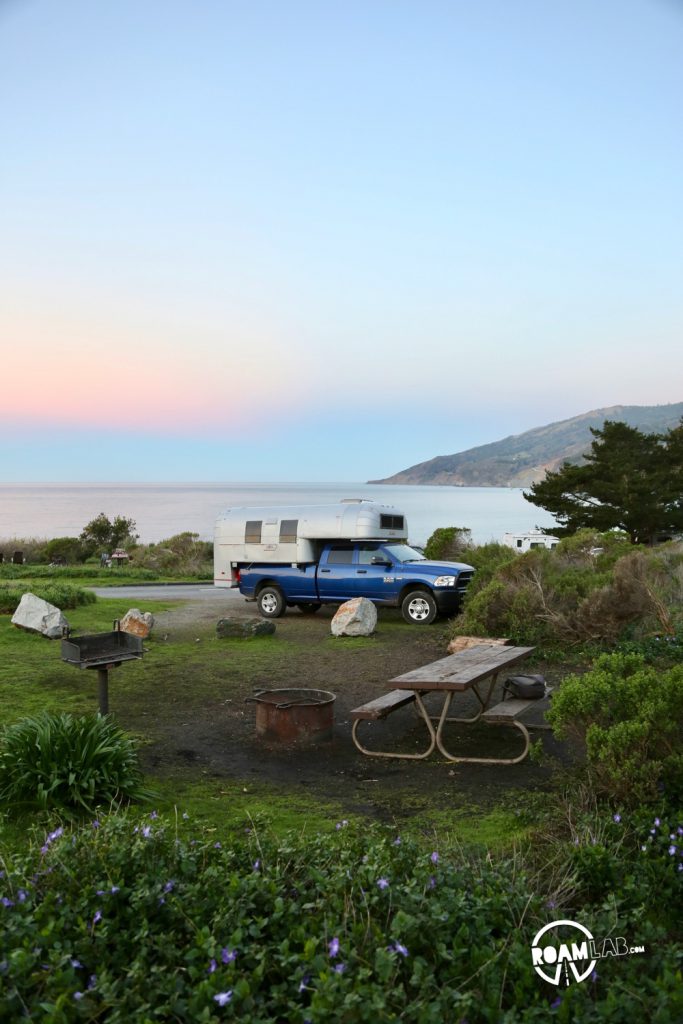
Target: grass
189	678
34	678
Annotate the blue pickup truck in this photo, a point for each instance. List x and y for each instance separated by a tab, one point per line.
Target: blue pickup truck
389	574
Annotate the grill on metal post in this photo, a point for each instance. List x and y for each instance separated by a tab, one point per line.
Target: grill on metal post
102	651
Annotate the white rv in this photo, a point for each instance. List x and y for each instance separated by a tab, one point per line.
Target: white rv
295	534
530	540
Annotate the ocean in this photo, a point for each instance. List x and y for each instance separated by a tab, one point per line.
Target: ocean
161	510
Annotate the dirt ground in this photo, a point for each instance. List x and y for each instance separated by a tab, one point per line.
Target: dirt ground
208	731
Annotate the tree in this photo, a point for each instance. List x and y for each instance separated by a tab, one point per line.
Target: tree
102	533
630	481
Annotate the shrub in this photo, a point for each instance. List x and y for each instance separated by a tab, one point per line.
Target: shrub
449	543
64	549
129	921
60	594
32	548
578	594
630	717
184	554
73	764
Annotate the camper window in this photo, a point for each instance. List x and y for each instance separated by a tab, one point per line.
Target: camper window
288	531
387	522
252	531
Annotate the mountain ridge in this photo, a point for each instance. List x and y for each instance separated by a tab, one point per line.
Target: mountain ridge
521	459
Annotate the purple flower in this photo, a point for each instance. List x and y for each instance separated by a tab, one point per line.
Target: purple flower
21	895
223	998
657	822
217	846
304	982
228	955
382	883
161	900
114	889
340	968
672	851
653	831
92	981
434	857
154	816
644	849
432	881
76	963
97	918
78	995
55	835
594	976
616	818
212	966
334	947
551	904
397	841
95	823
7	902
147	831
397	947
555	1003
169	886
257	865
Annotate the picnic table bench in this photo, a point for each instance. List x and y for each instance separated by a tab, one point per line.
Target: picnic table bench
475	670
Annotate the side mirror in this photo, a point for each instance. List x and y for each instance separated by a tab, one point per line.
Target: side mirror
380	560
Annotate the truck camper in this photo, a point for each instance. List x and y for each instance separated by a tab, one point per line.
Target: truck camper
308	555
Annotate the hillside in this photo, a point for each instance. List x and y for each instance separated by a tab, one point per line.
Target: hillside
521	459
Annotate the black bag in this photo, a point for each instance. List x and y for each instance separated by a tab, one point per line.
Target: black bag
524	687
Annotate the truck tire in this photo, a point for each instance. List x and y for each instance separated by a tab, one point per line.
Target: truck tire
271	602
419	608
309	608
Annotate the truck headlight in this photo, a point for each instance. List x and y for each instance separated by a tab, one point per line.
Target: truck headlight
445	581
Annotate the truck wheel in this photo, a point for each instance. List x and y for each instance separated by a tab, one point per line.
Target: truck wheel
419	608
309	608
271	602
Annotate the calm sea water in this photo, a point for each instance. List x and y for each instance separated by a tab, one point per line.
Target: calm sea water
161	510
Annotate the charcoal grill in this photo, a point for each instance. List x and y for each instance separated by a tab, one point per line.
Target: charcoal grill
102	651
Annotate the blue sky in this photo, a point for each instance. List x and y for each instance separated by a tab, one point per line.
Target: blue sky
317	241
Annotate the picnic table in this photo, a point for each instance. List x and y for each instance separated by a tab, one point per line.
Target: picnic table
474	670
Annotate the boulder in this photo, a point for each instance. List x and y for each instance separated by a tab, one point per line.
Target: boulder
239	628
38	616
138	623
461	643
357	617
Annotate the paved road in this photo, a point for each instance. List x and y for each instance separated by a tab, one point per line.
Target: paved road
172	592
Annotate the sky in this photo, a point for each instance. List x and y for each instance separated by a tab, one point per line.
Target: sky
325	241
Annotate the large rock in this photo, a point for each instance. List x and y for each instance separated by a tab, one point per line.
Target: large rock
357	617
138	623
230	628
461	643
38	616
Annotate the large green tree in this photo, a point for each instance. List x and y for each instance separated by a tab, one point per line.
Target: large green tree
629	481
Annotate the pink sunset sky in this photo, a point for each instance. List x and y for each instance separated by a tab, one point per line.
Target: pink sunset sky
314	241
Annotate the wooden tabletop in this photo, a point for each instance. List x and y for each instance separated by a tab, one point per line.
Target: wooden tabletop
462	670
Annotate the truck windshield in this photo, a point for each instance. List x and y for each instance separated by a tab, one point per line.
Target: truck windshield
402	553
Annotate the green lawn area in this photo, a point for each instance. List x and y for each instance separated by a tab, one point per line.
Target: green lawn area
185	676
